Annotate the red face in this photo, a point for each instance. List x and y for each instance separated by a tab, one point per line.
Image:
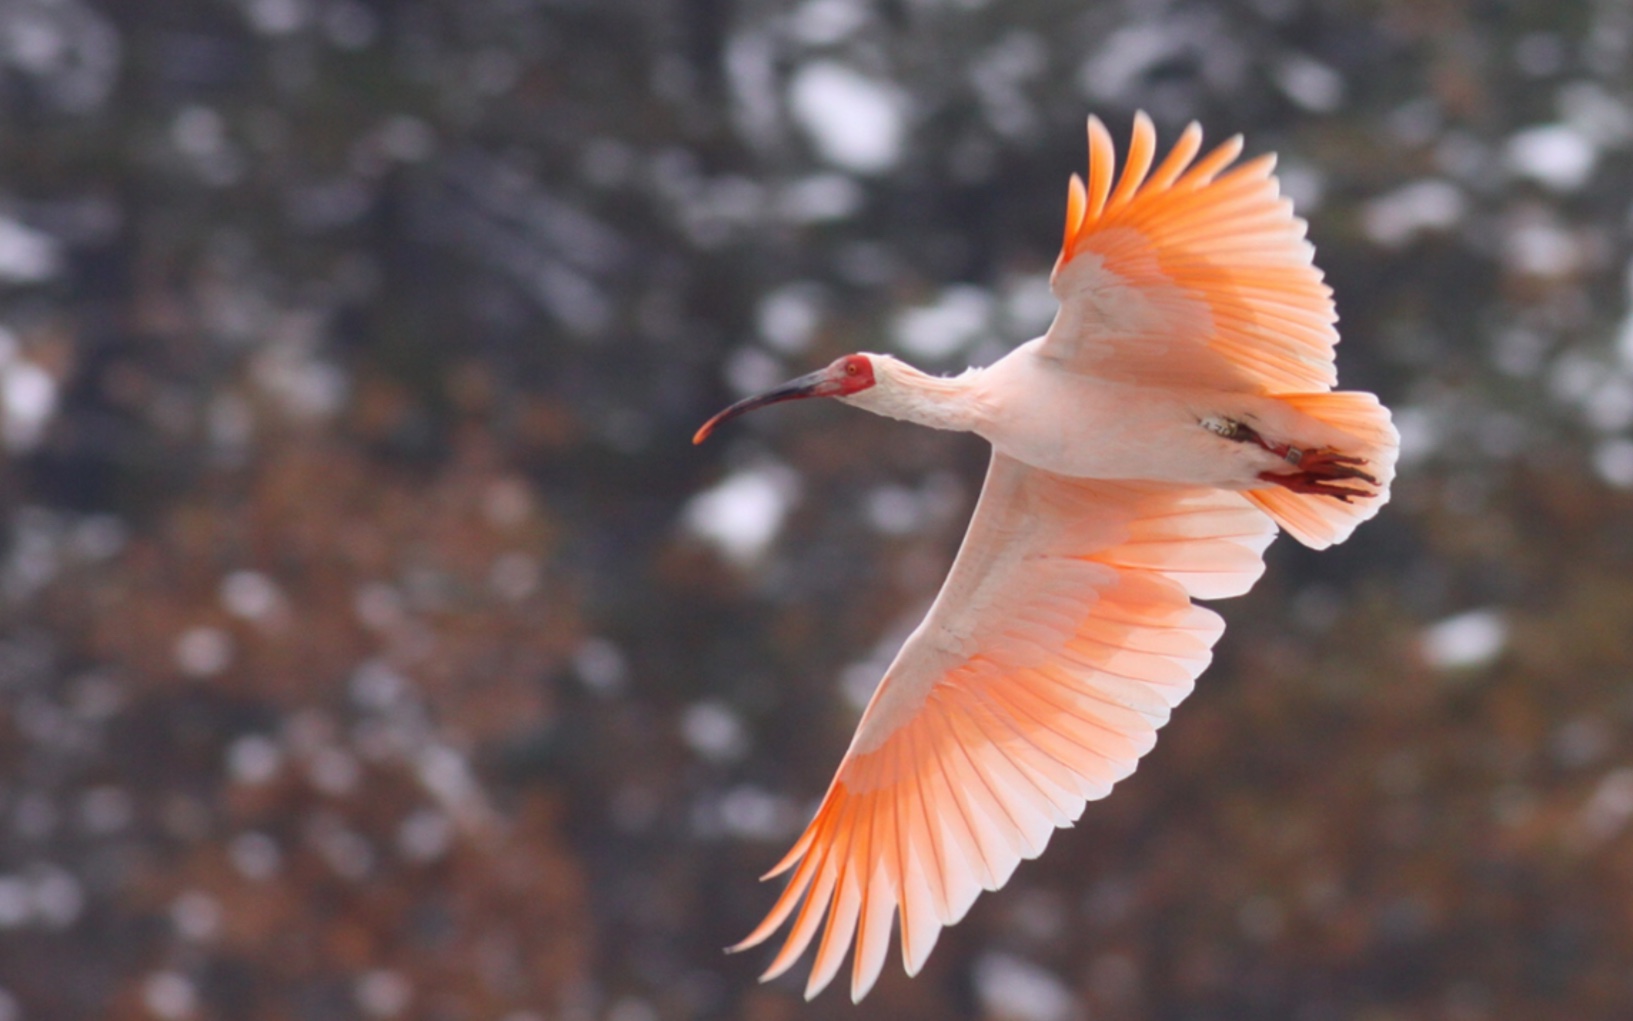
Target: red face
849	375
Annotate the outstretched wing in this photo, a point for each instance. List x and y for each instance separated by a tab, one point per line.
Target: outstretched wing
1060	640
1187	276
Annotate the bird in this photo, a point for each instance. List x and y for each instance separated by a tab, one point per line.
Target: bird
1179	411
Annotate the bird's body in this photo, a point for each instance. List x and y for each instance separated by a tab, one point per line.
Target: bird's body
1145	450
1037	411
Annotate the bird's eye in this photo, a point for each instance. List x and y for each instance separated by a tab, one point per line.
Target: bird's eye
851	369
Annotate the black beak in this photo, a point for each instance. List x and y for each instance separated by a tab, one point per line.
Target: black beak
813	384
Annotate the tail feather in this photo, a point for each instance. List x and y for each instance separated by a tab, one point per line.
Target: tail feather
1321	521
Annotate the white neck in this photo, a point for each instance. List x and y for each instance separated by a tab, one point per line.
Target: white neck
940	402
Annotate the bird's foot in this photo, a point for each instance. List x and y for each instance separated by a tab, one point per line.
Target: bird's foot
1321	473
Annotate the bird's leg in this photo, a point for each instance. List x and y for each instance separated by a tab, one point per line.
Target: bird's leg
1241	432
1319	471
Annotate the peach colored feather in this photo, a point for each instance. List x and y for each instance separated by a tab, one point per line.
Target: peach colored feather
1146	448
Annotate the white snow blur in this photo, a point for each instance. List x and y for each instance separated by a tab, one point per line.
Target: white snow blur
743	513
27	256
1395	219
1017	990
855	121
1465	642
1557	156
947	326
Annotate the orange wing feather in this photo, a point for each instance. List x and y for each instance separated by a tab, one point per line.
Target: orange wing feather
1066	632
1061	639
1191	276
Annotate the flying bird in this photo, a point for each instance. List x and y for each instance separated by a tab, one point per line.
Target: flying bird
1144	451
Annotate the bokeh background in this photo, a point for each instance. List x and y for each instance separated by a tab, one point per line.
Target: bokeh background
374	645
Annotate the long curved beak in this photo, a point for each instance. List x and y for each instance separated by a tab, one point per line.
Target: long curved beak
813	384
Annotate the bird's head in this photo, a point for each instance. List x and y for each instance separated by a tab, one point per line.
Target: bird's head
842	378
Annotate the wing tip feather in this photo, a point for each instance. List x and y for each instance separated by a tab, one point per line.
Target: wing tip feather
1102	164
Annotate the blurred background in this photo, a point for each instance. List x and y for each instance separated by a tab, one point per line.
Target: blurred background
374	645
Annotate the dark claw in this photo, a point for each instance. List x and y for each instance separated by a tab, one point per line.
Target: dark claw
1320	470
1317	470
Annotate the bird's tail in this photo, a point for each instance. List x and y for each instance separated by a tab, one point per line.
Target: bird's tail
1318	520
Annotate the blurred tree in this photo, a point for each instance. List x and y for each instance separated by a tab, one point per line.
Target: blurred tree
372	644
